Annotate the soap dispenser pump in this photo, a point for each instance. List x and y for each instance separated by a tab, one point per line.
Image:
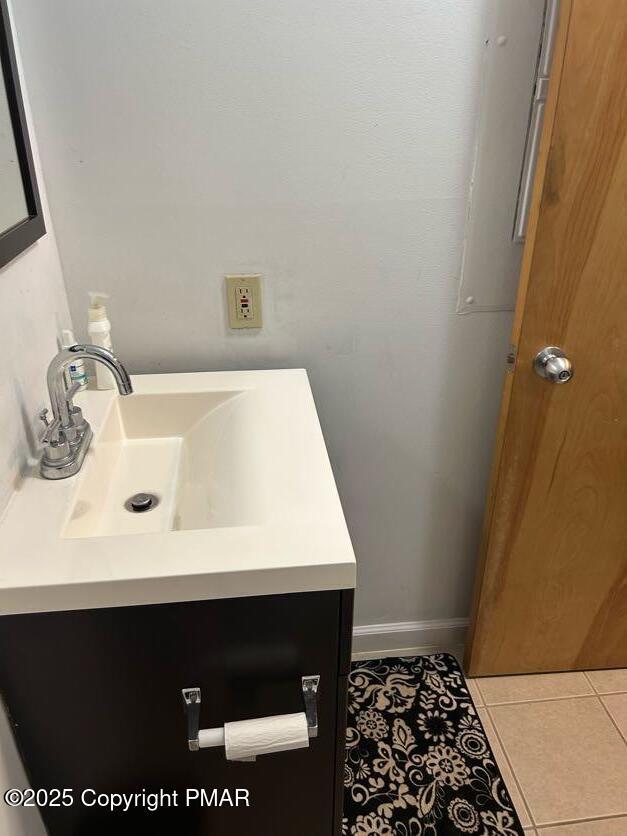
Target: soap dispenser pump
99	330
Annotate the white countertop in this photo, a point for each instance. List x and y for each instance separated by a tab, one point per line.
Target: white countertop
42	570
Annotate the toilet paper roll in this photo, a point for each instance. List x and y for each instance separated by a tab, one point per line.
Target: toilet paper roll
246	739
210	737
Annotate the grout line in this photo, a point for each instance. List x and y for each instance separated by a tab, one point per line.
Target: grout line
544	699
610	693
613	721
477	686
511	768
568	822
596	690
589	681
478	695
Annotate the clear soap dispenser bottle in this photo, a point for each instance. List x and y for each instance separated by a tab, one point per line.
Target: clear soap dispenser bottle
99	330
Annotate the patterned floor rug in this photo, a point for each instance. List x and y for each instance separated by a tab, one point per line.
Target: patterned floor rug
418	762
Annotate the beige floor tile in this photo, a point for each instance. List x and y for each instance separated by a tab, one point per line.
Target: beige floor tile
568	757
475	693
543	686
609	682
605	827
616	704
503	765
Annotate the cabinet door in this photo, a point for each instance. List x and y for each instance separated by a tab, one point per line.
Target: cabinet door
95	699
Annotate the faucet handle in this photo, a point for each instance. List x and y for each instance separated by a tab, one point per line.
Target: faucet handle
77	418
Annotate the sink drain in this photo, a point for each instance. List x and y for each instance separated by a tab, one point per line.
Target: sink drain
141	502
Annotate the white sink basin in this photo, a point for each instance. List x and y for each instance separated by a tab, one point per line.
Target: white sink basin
247	504
206	456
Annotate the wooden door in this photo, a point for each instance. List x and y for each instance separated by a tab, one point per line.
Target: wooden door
551	590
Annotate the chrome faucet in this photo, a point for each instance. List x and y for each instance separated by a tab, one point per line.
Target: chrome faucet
67	437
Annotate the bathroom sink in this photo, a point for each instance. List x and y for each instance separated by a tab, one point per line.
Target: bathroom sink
239	492
204	458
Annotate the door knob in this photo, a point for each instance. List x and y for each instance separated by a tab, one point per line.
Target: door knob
553	365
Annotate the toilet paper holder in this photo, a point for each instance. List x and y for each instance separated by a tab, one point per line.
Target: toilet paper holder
192	698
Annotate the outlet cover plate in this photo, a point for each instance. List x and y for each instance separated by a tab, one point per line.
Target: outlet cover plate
243	294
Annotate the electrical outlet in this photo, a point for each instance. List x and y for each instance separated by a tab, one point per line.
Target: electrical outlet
244	301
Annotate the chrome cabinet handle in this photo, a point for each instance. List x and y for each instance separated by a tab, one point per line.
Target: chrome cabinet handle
553	365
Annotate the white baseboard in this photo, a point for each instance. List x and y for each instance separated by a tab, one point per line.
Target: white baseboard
409	638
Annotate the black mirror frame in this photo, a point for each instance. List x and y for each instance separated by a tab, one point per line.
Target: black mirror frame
16	239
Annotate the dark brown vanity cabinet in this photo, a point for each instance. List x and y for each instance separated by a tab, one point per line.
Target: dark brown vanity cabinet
94	698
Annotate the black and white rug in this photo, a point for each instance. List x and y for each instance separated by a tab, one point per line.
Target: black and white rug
418	762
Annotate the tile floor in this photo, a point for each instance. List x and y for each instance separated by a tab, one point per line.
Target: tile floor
561	743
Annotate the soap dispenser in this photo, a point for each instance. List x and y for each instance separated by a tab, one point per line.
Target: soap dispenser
99	330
